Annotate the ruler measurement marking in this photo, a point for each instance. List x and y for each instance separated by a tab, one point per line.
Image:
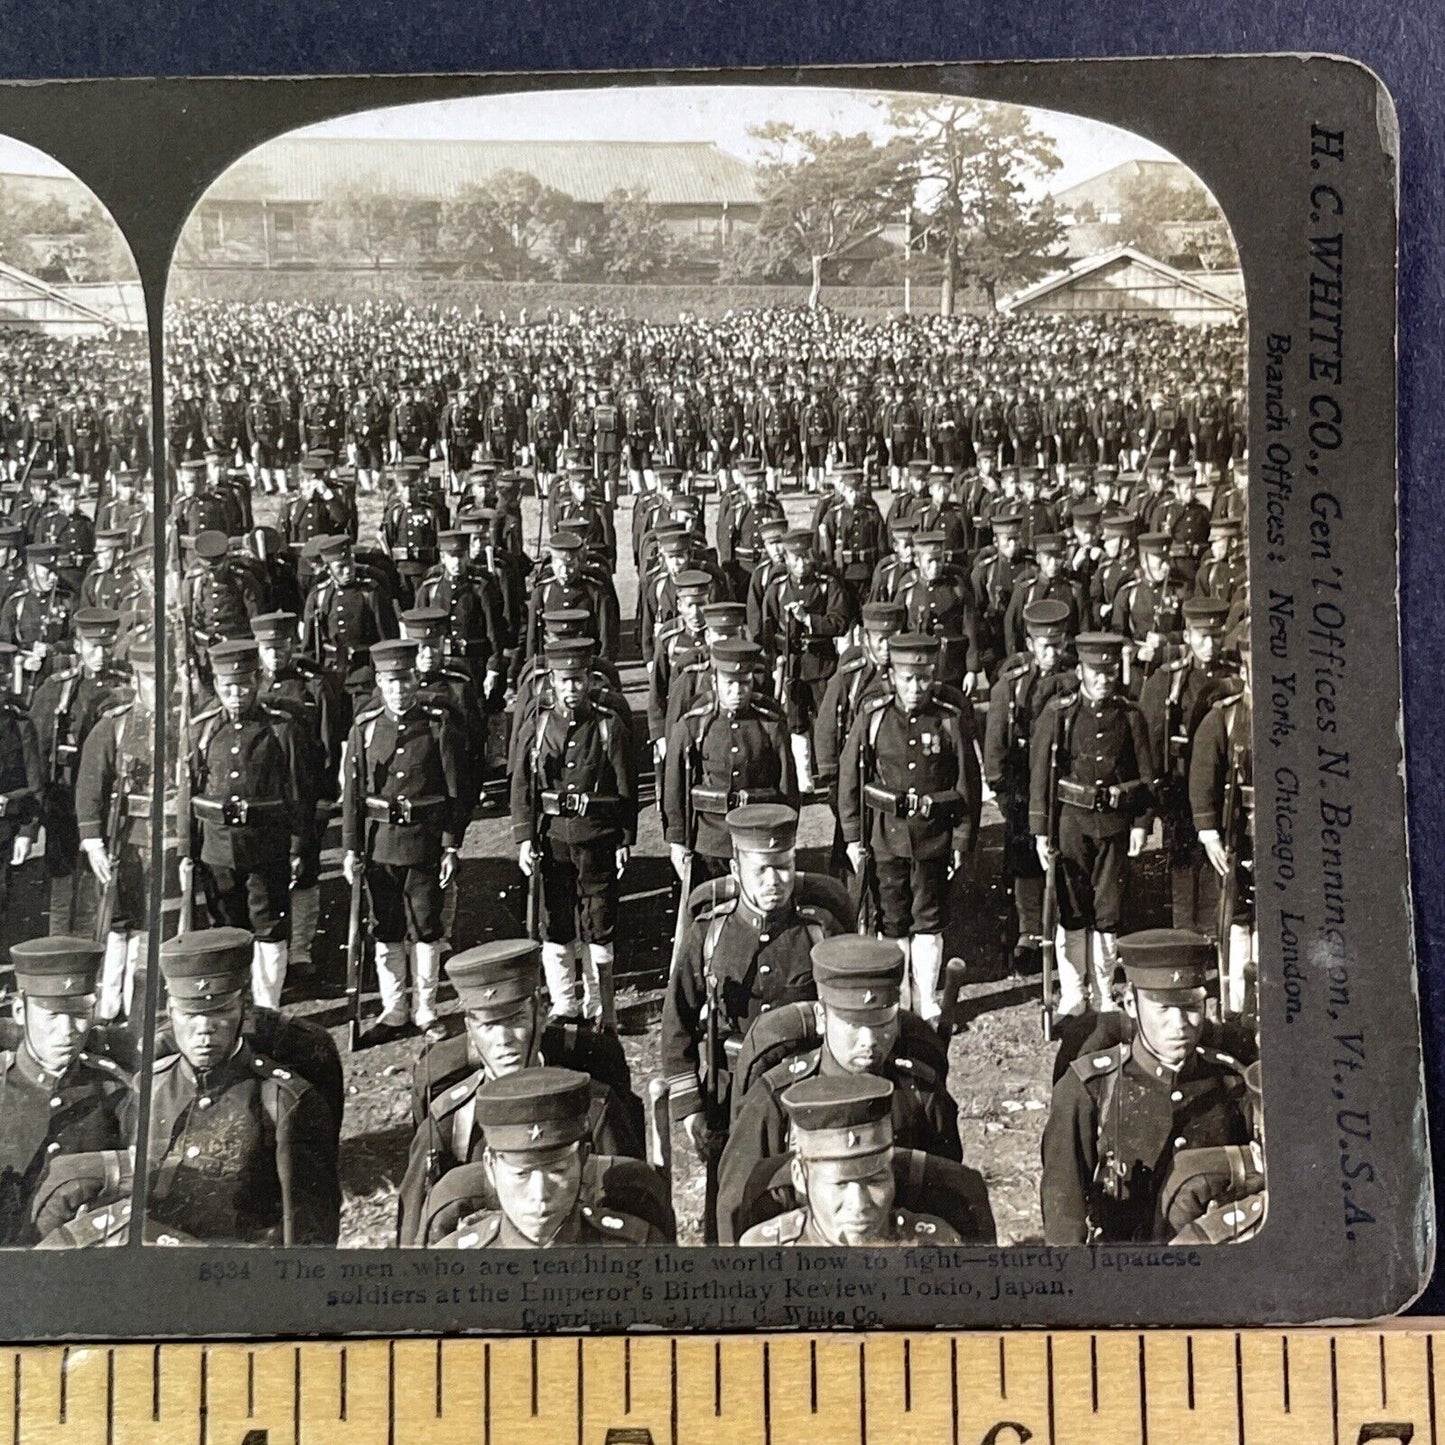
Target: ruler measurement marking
15	1420
1384	1383
296	1393
487	1393
1143	1397
672	1392
440	1392
813	1376
627	1375
717	1378
534	1378
64	1382
1002	1368
907	1378
205	1399
250	1384
581	1391
391	1392
155	1383
1094	1372
1239	1383
767	1395
862	1394
1334	1393
341	1386
953	1380
1284	1359
1188	1366
1049	1378
1430	1384
110	1397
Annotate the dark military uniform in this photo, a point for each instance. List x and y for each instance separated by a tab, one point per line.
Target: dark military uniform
22	777
45	1116
409	530
944	608
1119	1117
341	622
806	648
220	599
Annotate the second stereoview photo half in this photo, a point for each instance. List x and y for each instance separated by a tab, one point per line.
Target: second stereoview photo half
77	707
712	629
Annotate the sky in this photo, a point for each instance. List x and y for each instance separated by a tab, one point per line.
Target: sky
722	114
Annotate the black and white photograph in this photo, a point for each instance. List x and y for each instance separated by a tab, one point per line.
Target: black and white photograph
77	706
713	686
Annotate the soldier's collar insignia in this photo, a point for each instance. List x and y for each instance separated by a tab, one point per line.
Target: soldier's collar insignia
534	1133
1178	977
868	995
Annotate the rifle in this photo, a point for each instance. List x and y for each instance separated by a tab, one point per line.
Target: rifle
534	883
868	902
114	821
1228	884
355	937
1048	918
689	816
183	778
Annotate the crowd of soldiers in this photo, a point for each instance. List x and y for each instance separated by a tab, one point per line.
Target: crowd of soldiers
1052	611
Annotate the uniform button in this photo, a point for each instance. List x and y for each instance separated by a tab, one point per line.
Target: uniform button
764	968
912	767
56	1101
193	1151
53	1147
234	751
1177	1097
765	1008
204	1103
1180	1142
762	938
401	772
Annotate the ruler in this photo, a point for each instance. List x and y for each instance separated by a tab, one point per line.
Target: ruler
1208	1387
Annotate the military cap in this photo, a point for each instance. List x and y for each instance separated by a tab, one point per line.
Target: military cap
841	1117
691	583
1226	527
1155	544
1121	524
725	616
1007	524
125	476
1106	474
857	973
315	466
14	537
111	538
46	553
495	979
1048	617
67	483
769	828
190	465
506	482
798	540
883	619
206	965
562	540
849	474
234	658
919	466
1207	612
735	657
456	540
673	542
569	654
393	656
57	967
929	541
1031	474
667	474
1076	470
1157	466
905	527
912	649
1166	960
534	1110
560	622
423	624
1051	543
321	454
1182	474
684	506
335	544
98	624
774	529
1088	512
1097	648
142	657
274	627
417	463
212	545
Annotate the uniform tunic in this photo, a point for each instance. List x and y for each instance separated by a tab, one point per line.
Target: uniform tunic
796	1228
1124	1106
243	1154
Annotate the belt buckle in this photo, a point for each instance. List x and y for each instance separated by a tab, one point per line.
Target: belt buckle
401	810
1101	798
235	812
741	799
910	802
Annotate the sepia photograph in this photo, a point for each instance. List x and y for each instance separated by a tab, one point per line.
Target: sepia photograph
78	729
710	630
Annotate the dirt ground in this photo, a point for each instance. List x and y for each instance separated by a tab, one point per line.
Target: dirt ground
1000	1065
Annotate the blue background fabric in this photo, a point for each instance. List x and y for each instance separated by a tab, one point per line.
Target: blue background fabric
1400	43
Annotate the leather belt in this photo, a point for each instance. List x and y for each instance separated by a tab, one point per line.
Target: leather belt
235	812
938	807
573	803
403	811
720	800
1096	797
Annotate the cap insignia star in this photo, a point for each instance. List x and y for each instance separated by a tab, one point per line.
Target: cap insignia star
534	1133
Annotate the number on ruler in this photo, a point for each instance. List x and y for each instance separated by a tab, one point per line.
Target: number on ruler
256	1437
995	1436
1402	1433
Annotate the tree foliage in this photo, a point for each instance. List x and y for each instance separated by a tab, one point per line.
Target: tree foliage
1168	214
381	222
62	243
978	171
509	227
822	195
634	242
